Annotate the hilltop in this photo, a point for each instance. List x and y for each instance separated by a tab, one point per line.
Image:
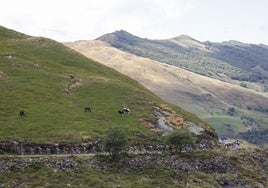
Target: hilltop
234	108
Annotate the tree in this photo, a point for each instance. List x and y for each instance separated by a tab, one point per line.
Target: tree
179	139
114	142
231	111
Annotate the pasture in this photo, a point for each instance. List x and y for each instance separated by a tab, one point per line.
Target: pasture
54	94
53	84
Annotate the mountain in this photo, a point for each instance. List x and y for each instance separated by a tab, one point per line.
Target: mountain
230	61
53	84
231	108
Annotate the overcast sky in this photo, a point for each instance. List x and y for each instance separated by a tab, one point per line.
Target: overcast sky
70	20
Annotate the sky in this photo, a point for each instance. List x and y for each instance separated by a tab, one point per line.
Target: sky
203	20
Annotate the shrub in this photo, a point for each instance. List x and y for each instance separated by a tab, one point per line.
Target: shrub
179	139
114	142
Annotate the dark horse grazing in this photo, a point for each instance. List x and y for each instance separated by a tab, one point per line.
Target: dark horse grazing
87	109
22	113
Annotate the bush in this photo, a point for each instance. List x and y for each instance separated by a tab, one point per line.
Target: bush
114	142
231	111
179	139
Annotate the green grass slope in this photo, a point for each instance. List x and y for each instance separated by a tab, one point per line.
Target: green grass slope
53	84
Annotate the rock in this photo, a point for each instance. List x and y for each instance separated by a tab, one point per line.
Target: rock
197	181
223	183
194	128
2	74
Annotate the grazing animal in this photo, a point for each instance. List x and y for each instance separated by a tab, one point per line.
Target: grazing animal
121	112
87	109
22	113
126	110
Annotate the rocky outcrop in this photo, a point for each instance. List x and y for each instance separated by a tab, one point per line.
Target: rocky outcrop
166	120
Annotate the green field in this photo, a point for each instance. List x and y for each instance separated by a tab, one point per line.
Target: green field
53	84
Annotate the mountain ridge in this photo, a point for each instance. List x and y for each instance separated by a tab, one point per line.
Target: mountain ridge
215	52
125	33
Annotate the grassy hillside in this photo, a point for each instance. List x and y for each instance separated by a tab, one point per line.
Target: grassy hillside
53	84
208	98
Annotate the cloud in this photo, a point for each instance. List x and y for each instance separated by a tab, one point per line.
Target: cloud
159	19
88	19
263	28
146	18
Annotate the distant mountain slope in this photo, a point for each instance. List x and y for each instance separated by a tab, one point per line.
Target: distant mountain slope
208	98
53	84
231	61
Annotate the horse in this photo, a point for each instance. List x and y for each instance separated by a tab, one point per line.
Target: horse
87	109
126	110
22	113
121	112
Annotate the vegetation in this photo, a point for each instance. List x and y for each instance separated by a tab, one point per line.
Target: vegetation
114	142
255	136
179	139
231	111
